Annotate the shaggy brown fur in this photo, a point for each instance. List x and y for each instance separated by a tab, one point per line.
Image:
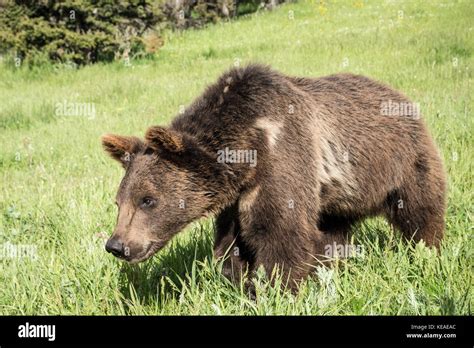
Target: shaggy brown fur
328	157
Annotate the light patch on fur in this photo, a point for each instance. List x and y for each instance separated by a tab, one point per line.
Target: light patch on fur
334	166
247	199
333	159
271	128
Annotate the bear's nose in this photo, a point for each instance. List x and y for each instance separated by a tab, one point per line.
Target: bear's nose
115	247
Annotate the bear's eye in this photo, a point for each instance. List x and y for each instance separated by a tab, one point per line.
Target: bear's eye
147	202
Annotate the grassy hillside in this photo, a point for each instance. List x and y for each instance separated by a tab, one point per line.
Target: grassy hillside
57	186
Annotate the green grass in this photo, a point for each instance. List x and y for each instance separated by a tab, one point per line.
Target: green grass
57	185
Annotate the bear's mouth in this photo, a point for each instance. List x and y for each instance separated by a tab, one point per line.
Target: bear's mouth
148	252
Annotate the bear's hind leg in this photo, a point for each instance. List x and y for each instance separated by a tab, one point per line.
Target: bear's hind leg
418	212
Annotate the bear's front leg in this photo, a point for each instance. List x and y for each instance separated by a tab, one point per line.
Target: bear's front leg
291	253
228	245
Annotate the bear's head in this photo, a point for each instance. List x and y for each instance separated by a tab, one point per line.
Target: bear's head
169	181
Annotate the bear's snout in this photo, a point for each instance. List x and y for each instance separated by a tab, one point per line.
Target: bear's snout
115	247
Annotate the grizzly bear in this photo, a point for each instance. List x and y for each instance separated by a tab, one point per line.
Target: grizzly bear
287	165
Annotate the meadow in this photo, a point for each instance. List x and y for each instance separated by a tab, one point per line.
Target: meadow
57	186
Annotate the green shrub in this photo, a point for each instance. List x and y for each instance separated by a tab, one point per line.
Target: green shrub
87	31
78	31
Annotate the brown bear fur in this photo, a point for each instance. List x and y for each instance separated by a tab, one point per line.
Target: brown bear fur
327	157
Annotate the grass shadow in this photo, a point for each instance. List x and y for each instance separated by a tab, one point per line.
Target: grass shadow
163	276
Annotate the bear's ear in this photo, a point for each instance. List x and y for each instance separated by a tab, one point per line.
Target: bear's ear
121	148
159	138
